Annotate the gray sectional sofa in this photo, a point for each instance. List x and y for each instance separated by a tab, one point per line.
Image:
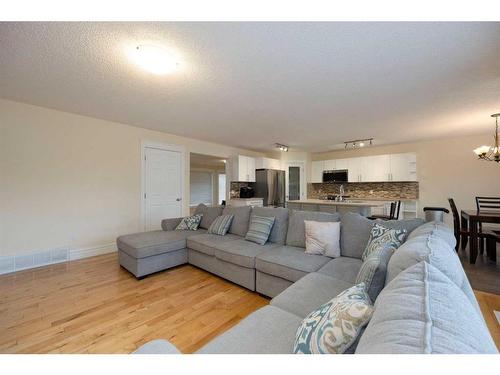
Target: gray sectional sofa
426	305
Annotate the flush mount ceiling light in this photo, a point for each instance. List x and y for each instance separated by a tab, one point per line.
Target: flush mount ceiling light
154	59
358	143
490	153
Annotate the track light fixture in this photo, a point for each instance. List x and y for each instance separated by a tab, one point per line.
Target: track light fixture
358	143
283	148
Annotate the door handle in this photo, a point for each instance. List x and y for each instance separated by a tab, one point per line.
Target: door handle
178	199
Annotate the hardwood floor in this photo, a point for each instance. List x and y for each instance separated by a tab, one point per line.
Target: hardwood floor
94	306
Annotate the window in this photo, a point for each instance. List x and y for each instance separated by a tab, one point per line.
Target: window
201	188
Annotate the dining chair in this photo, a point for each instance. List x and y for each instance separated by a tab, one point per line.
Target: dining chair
393	212
462	233
487	204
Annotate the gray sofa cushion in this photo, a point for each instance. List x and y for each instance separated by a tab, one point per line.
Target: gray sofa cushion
355	231
170	224
241	219
207	243
296	235
308	293
423	311
434	250
278	233
343	268
289	263
241	252
268	330
438	229
157	347
146	244
209	214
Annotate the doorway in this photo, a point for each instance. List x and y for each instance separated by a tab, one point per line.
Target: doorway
207	182
162	184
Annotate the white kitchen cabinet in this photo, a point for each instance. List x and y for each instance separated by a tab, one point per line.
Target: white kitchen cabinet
375	168
244	169
403	167
317	168
342	163
329	165
267	163
355	168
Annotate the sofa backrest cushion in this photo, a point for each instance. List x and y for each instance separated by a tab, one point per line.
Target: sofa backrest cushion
355	232
296	235
280	214
423	311
241	219
433	249
438	229
209	214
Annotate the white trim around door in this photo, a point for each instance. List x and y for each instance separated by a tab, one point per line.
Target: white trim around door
166	147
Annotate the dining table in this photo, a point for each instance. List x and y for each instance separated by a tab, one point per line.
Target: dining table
471	219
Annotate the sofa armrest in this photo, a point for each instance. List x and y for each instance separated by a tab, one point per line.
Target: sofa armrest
170	224
157	347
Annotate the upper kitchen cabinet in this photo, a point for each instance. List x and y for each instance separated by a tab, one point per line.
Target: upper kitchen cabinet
317	168
267	163
244	168
354	169
403	167
342	163
329	165
375	168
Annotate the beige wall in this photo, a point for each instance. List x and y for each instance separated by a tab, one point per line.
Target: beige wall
445	168
70	180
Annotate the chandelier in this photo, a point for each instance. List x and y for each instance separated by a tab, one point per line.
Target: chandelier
490	153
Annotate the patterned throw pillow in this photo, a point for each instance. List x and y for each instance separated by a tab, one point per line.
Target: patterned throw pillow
259	229
381	237
189	223
373	271
335	326
221	225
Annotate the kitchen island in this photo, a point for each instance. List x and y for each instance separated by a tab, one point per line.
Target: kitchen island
362	207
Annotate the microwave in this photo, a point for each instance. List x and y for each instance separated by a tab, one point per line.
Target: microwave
336	175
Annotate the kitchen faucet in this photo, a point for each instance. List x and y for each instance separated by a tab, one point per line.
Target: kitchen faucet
341	192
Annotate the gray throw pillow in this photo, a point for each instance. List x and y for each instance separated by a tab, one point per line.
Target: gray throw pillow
373	271
259	229
221	225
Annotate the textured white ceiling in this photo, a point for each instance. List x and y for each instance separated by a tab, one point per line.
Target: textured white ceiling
307	85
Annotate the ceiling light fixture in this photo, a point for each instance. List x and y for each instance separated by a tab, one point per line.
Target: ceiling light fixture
490	153
154	59
358	143
281	147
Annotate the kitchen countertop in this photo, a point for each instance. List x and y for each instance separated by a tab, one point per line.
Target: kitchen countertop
242	199
348	202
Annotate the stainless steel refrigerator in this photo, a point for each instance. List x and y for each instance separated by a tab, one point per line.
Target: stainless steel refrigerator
270	185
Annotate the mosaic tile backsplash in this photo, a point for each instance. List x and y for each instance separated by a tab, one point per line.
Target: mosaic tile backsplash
365	190
235	188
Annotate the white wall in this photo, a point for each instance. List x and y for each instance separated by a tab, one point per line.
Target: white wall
70	180
445	168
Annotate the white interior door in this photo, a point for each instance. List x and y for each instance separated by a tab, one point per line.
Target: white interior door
163	186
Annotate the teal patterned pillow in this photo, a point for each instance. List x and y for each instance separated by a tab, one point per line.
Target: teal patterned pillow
189	223
221	225
259	229
381	237
335	326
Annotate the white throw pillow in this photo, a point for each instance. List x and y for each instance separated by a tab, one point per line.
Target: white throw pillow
323	238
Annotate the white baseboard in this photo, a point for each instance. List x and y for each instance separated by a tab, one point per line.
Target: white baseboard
14	263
